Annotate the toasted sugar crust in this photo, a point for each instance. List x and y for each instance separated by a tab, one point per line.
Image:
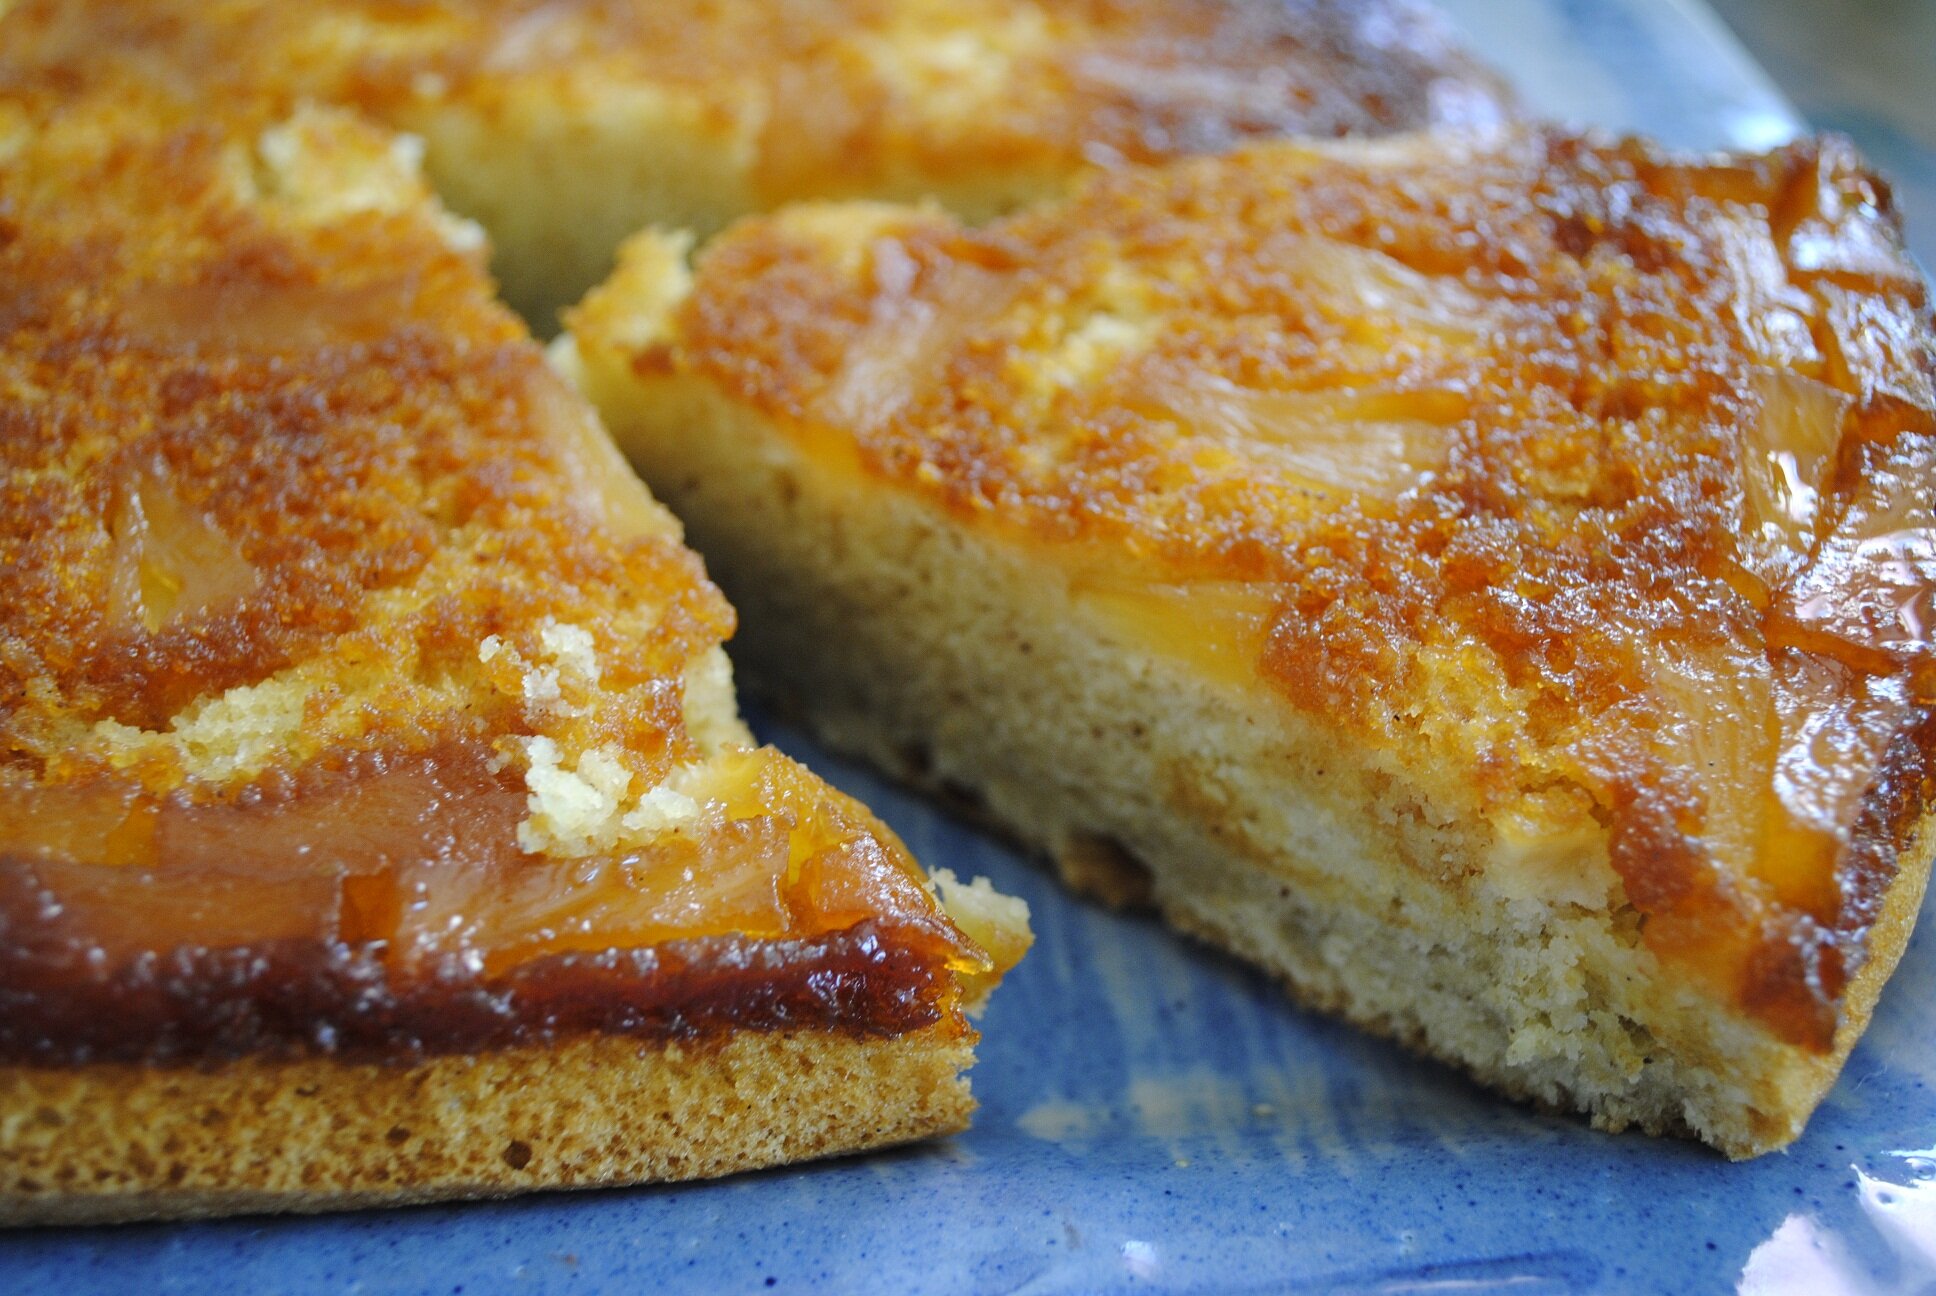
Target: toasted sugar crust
838	96
107	1144
336	405
1541	459
566	125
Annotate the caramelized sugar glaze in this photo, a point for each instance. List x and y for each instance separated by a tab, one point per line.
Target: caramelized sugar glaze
833	96
311	573
1602	476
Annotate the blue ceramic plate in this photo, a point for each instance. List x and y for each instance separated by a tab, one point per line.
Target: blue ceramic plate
1154	1116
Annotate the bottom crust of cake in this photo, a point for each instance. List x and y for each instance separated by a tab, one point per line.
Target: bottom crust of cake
111	1143
966	664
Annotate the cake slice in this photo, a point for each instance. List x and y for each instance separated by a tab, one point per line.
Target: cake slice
376	821
1486	582
564	127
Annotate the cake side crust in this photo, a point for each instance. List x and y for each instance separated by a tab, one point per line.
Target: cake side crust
106	1144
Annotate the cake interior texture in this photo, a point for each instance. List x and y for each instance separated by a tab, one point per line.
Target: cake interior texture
1484	582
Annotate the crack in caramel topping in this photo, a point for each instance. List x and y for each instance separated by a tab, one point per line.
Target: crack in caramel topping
1598	474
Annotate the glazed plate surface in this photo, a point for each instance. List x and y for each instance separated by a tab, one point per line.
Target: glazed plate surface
1155	1117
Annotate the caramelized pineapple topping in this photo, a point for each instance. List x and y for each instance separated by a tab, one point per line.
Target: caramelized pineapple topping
1600	475
353	694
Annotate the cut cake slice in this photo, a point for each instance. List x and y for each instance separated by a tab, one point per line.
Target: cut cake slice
376	821
1486	582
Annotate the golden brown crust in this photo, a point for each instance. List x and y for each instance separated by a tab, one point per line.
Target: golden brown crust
1598	475
340	404
565	125
105	1143
838	98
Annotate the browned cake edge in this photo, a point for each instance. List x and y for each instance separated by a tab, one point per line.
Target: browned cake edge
114	1143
